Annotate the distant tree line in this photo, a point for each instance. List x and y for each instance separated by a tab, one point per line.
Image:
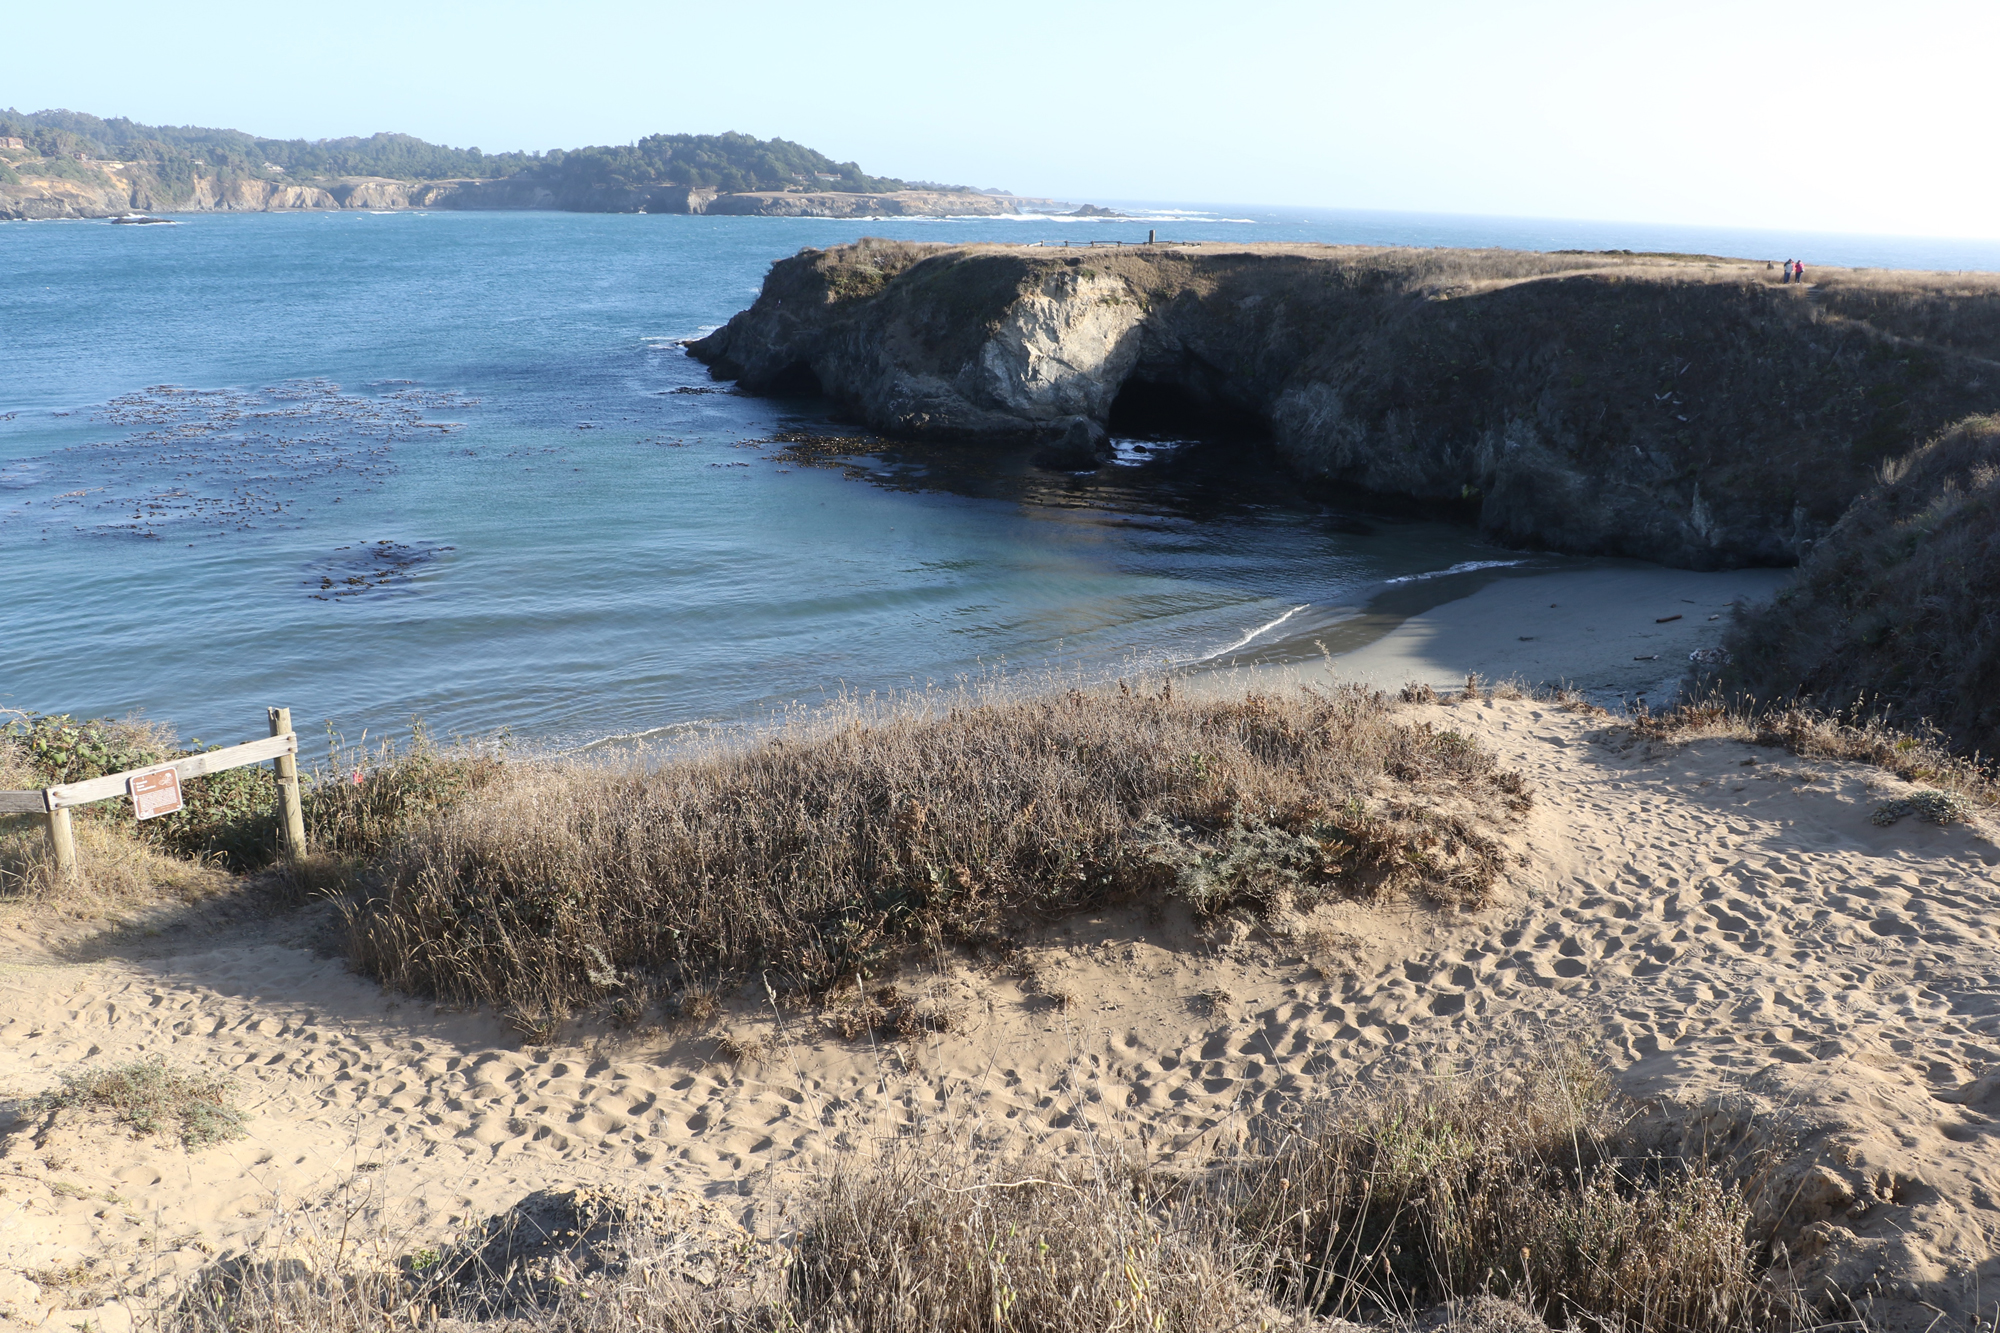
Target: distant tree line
179	153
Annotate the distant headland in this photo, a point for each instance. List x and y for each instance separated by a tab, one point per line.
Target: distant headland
66	164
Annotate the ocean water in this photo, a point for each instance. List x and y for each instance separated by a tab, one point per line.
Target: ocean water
457	467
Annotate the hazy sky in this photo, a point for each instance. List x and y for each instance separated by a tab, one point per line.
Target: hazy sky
1831	116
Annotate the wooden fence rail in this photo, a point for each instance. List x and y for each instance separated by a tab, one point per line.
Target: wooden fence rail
56	802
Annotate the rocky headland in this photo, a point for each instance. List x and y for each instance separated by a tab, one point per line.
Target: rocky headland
1684	409
110	189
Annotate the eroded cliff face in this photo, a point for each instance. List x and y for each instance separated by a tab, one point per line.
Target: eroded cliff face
110	189
1681	409
114	189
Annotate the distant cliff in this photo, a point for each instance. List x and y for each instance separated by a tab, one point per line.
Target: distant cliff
1675	408
109	189
64	164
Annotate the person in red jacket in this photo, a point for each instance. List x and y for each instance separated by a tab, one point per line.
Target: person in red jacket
1799	271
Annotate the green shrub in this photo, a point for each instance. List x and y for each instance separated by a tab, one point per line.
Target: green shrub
61	749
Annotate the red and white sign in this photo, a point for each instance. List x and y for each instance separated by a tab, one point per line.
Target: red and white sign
156	793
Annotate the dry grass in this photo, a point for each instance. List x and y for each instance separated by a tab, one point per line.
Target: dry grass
361	799
1502	1203
113	867
932	1241
1925	757
818	851
887	1012
927	1240
1510	1186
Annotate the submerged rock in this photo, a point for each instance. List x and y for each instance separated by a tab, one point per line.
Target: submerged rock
1084	446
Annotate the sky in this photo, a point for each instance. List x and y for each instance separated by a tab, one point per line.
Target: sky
1824	116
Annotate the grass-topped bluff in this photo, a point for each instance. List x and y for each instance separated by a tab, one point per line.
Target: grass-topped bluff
68	164
1685	409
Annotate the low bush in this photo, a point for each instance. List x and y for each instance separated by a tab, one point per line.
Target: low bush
153	1097
230	817
360	800
819	849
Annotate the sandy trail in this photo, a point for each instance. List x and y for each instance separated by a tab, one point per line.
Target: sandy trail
1725	919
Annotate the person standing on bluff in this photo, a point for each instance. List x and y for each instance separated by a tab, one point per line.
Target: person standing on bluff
1788	270
1798	270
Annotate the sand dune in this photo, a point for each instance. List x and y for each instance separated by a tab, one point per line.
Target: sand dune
1728	921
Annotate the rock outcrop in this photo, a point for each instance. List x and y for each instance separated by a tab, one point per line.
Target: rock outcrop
901	203
1682	409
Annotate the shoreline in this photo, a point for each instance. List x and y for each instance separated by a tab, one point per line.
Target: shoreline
1618	633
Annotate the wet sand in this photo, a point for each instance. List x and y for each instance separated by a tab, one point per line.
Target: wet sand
1620	632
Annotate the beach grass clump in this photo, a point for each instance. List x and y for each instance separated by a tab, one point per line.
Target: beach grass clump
1511	1186
818	850
1922	754
360	799
946	1241
153	1096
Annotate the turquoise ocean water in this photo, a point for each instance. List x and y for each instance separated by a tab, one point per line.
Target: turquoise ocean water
457	467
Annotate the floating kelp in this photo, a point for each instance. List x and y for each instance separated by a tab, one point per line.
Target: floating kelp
221	460
365	567
804	448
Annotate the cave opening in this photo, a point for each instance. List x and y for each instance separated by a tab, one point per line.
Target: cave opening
797	380
1165	409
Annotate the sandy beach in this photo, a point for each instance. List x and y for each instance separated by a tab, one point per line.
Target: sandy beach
1618	633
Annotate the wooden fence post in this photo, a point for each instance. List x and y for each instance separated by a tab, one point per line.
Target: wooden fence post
288	788
62	843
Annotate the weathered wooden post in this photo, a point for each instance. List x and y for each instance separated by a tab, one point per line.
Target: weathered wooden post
1149	235
288	788
62	842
